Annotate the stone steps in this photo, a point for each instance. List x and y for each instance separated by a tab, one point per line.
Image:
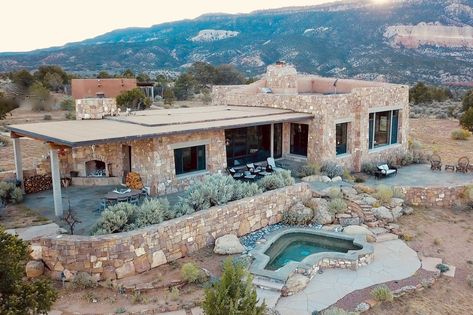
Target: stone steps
268	284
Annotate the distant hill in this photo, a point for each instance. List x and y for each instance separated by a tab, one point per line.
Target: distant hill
404	42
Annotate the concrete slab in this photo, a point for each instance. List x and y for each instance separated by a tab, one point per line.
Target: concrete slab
451	272
197	311
386	237
28	233
430	263
270	297
394	260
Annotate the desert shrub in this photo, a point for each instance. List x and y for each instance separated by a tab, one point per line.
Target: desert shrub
47	117
276	180
70	115
83	280
9	193
384	194
67	104
120	310
308	169
192	274
397	193
359	179
337	205
467	100
442	268
347	175
335	192
175	293
116	218
414	144
466	120
152	211
233	294
468	195
369	168
332	169
336	311
382	293
138	298
460	134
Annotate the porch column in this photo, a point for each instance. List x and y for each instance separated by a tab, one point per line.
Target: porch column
56	182
18	162
272	140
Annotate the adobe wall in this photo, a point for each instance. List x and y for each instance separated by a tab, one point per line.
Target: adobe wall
125	254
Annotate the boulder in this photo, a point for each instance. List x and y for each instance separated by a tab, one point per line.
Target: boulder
325	179
36	252
349	191
397	212
337	179
383	213
368	200
408	210
68	275
311	178
158	259
322	214
34	268
128	269
228	245
362	307
397	202
359	230
296	283
362	188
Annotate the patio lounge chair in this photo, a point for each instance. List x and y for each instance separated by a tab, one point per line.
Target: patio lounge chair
435	162
233	173
384	171
462	165
248	175
272	164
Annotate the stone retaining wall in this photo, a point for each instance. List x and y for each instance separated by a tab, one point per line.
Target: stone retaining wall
125	254
434	196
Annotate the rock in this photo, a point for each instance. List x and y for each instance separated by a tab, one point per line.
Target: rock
141	264
362	307
349	191
397	202
368	200
378	230
383	213
349	221
228	245
337	179
392	226
128	269
244	227
357	230
36	252
311	178
158	259
322	214
296	283
34	268
332	227
408	210
397	212
325	179
362	188
109	273
68	276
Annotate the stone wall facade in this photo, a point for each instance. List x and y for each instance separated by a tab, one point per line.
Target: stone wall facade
125	254
443	197
355	101
95	108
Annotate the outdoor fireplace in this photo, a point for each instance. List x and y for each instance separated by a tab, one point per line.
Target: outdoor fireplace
95	168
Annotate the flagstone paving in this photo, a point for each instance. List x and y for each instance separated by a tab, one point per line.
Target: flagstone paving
394	260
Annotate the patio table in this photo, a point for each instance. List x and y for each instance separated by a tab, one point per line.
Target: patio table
114	196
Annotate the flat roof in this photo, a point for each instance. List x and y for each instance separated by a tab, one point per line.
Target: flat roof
154	123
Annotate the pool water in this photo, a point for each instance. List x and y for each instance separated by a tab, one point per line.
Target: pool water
297	246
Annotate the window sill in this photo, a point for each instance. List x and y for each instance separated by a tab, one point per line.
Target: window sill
386	147
192	174
343	155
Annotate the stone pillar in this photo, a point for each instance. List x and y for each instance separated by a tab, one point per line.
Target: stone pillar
58	210
18	161
272	140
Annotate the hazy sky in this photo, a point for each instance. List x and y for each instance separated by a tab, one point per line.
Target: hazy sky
32	24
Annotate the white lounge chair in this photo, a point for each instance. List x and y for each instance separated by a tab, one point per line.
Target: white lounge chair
272	163
385	170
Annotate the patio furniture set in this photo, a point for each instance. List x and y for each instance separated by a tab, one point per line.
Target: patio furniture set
463	165
254	171
122	195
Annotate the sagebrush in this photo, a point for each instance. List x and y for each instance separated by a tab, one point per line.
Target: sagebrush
276	180
382	293
384	194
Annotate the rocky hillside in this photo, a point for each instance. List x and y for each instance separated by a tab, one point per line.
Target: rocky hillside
403	41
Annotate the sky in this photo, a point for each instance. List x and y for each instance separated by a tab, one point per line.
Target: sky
34	24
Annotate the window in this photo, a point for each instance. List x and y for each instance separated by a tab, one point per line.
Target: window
277	149
383	128
299	139
190	159
342	138
248	145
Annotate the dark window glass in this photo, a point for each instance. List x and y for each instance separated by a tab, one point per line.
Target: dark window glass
248	145
383	128
277	149
371	128
299	139
342	138
395	126
190	159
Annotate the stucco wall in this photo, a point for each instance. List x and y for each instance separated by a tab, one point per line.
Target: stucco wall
125	254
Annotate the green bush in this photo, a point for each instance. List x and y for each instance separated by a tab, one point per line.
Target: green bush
70	115
9	193
466	120
332	169
152	211
192	274
382	293
460	134
369	168
442	268
422	93
384	194
68	104
117	218
233	294
467	101
308	169
276	180
337	205
83	280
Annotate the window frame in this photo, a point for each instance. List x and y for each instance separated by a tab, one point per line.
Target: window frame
374	125
179	168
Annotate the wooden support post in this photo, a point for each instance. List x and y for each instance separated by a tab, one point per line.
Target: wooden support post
18	161
58	209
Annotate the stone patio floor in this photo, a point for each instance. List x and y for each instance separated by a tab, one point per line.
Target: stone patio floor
394	260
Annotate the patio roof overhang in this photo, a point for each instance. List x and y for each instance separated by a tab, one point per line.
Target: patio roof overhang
152	124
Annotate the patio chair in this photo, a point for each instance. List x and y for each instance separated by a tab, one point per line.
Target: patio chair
122	199
103	204
272	165
233	173
384	170
435	162
134	200
248	175
462	165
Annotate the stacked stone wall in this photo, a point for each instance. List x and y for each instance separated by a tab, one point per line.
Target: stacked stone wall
95	108
443	197
125	254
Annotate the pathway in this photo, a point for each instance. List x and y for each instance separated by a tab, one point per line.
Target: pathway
394	260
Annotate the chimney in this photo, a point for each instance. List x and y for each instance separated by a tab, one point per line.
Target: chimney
281	78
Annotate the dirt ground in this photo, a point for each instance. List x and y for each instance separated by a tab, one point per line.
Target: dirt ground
447	234
435	136
18	216
106	300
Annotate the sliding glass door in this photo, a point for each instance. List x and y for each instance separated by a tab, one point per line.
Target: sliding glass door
299	139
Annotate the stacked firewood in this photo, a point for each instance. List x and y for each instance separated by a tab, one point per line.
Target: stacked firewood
38	183
133	181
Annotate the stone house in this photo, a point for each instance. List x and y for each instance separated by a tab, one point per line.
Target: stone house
282	115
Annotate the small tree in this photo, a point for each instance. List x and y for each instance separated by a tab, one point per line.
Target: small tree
6	105
134	99
104	75
23	79
128	74
184	86
233	294
169	96
466	119
40	97
17	295
467	101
